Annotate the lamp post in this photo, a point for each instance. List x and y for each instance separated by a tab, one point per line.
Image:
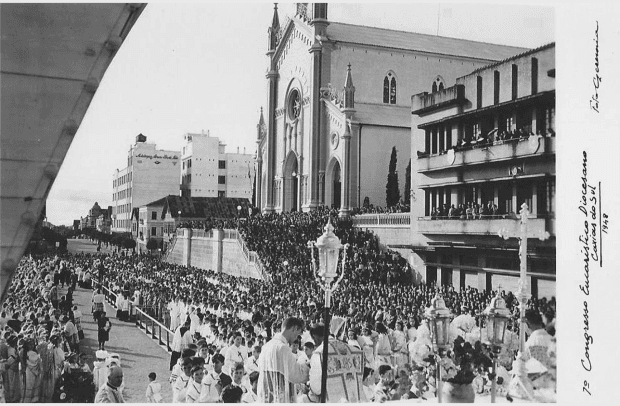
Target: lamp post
329	247
238	215
497	315
179	213
523	293
438	317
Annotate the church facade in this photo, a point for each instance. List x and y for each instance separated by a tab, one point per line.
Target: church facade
339	99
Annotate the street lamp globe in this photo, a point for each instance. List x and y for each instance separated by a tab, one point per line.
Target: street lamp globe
438	317
329	247
497	315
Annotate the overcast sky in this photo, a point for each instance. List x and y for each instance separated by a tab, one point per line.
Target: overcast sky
193	67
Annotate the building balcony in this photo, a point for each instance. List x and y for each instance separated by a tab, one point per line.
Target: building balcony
426	102
480	154
508	224
394	220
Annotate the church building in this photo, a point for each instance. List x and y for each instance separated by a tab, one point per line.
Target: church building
324	140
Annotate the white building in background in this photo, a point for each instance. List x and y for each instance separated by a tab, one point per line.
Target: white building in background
150	174
207	170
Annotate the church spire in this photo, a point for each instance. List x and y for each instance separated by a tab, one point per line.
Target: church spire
261	127
275	23
274	30
349	90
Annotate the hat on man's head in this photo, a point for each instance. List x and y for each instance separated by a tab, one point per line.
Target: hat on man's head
102	354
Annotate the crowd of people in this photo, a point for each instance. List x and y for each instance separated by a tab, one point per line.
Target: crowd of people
40	332
367	208
221	323
494	137
466	211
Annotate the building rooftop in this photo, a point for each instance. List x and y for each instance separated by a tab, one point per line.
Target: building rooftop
412	41
203	207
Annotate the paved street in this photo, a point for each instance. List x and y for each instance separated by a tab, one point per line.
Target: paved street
139	354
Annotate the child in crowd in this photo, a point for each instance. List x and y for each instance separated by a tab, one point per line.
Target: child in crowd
153	391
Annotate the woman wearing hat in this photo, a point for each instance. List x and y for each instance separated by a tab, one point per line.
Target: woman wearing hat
31	363
103	332
13	383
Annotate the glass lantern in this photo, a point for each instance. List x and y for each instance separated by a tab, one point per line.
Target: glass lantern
439	317
329	247
497	315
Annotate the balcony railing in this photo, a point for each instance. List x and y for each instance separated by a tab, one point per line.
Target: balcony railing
396	220
476	154
487	225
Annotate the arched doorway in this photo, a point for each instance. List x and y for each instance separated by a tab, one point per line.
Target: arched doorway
333	185
291	184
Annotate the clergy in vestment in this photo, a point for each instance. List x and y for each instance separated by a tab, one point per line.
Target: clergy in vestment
109	392
278	368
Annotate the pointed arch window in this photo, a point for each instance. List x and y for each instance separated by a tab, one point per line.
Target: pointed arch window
389	89
437	84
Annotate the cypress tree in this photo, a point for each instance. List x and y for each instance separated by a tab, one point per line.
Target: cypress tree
391	189
408	184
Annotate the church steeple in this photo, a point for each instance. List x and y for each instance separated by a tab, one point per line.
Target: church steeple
274	30
349	90
261	128
275	23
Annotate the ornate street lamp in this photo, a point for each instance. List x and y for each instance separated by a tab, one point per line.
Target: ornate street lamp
438	317
497	315
329	247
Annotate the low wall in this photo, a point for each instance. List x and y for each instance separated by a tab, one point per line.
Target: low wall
218	250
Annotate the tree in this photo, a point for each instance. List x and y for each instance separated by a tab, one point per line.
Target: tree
408	184
129	244
151	244
392	193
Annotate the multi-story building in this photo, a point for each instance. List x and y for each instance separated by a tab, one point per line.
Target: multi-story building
207	170
159	219
324	141
150	223
104	221
482	148
150	174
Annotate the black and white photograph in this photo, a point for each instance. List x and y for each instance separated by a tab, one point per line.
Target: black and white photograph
209	202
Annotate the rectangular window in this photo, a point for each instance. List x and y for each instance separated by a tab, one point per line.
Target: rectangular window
515	82
222	164
479	92
534	75
427	141
221	180
154	215
153	231
434	142
221	193
449	137
495	87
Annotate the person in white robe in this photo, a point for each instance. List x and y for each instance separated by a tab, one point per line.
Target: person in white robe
236	353
278	368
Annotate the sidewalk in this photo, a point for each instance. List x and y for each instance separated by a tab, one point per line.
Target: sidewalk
139	354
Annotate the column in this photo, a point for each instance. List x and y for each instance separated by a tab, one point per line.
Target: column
515	206
534	209
259	181
271	139
218	249
187	247
315	164
346	173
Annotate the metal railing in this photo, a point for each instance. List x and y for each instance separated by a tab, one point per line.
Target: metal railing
155	329
151	327
252	256
382	219
170	248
